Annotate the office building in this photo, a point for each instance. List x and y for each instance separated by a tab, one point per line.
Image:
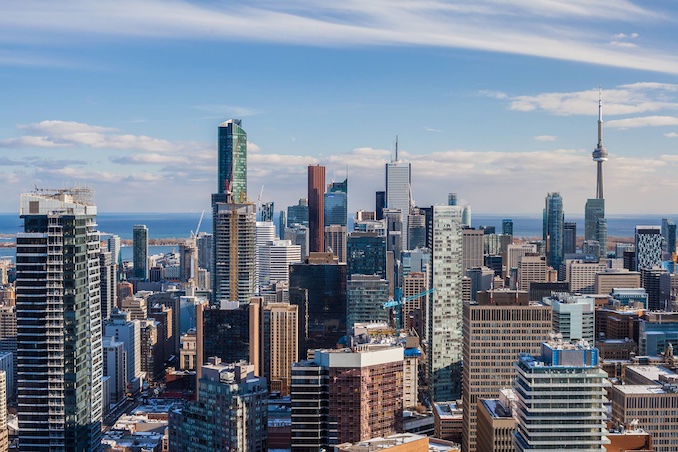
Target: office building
140	251
338	387
336	204
416	224
482	278
472	248
652	407
4	431
335	241
278	332
366	254
365	296
444	319
594	210
496	423
668	231
398	196
531	268
569	237
415	305
514	252
395	241
58	303
120	328
298	214
582	275
379	205
232	160
648	247
318	287
231	412
109	283
500	326
573	317
507	227
566	379
298	235
234	277
615	278
115	367
227	333
275	257
656	332
554	219
316	208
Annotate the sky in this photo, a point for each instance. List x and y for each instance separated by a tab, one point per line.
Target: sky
495	100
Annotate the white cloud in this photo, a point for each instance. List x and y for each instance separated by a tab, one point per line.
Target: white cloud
541	28
545	138
671	135
621	100
643	121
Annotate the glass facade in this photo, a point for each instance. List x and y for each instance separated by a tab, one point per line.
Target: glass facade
554	220
232	159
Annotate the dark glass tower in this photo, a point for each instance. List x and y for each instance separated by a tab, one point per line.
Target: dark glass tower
554	220
58	305
140	251
316	208
232	160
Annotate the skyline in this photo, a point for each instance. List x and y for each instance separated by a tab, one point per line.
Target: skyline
471	90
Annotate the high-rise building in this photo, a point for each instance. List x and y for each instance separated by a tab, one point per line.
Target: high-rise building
669	235
507	227
445	327
234	277
380	204
648	247
205	247
232	160
416	235
318	287
275	257
472	248
278	332
140	251
114	248
230	414
121	328
316	208
335	241
573	317
58	304
398	192
599	153
4	432
565	380
365	296
336	204
366	254
341	386
569	238
595	209
490	349
496	424
115	367
109	284
531	268
415	308
452	199
553	229
266	211
298	214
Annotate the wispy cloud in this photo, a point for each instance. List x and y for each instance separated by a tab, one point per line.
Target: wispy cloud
620	100
643	121
543	28
671	135
545	138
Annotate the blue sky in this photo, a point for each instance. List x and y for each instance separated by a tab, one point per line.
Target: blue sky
495	100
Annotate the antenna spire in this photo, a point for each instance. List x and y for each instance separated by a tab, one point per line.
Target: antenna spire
600	118
396	149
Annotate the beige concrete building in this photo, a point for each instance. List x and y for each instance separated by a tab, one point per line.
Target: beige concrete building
654	406
531	267
448	421
414	311
472	248
497	328
616	278
496	423
514	252
582	276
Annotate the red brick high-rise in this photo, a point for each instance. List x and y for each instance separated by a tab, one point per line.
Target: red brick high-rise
316	208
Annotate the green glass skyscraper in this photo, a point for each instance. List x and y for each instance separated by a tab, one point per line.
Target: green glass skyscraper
232	160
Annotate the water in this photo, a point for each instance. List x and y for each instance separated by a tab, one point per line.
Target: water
180	225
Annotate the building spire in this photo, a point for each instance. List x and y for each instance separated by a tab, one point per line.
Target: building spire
599	153
396	149
600	118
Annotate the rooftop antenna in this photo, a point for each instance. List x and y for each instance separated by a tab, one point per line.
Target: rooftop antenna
396	149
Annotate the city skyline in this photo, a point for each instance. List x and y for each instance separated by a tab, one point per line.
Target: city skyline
471	93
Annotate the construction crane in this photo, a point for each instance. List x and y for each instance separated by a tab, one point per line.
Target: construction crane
392	303
197	229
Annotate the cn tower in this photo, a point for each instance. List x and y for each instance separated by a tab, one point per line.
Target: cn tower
599	153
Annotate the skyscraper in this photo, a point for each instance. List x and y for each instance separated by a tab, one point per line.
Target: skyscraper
59	361
491	349
669	235
563	391
235	248
594	212
398	186
232	160
336	203
599	153
445	308
507	226
569	238
140	251
554	219
316	208
648	247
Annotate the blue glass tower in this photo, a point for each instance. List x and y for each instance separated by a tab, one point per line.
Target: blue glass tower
554	220
232	160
